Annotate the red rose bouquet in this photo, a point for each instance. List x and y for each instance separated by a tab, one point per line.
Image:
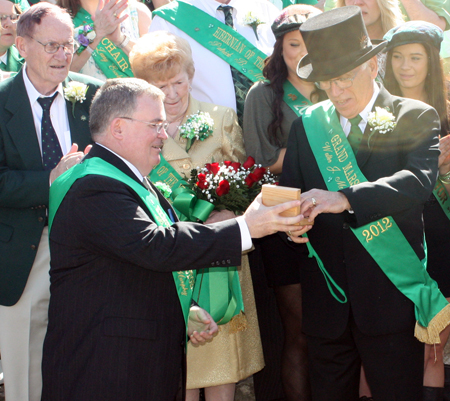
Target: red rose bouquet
230	185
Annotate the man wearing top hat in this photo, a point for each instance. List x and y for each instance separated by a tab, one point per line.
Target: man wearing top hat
364	178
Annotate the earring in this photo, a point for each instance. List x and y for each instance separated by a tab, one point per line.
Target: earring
190	88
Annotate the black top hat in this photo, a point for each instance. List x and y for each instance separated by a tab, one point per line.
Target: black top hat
337	42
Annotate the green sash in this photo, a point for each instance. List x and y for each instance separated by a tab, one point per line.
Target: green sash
14	61
111	60
217	289
441	195
217	37
382	239
294	99
184	280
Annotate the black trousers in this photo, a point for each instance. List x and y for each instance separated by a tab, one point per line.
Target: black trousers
393	365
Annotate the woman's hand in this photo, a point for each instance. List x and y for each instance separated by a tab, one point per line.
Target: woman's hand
444	157
216	216
107	17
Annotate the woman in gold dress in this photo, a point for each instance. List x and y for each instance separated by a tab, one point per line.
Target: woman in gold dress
165	61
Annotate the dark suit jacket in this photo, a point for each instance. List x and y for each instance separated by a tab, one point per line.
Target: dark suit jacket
115	324
401	169
24	185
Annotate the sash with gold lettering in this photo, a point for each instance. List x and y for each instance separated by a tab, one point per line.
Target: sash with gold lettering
217	289
184	280
111	60
382	239
441	195
217	37
294	99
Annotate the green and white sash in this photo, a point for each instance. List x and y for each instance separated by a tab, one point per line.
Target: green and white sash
217	37
111	60
217	289
184	280
382	239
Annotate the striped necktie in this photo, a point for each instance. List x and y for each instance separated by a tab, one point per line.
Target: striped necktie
241	83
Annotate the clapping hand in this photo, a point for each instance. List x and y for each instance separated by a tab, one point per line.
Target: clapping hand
444	157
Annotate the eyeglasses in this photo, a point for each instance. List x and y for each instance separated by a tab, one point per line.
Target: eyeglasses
341	83
53	47
13	17
158	126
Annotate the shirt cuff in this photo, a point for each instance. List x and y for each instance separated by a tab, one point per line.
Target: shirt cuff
246	238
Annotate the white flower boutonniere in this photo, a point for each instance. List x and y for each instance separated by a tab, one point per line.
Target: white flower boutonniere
381	120
164	189
75	92
197	126
252	21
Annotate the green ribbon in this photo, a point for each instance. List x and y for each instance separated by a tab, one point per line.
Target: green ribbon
217	289
298	103
111	60
382	239
184	280
183	199
220	39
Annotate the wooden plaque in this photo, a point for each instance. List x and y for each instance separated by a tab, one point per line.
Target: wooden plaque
274	195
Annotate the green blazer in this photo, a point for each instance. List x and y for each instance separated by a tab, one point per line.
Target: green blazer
24	185
14	62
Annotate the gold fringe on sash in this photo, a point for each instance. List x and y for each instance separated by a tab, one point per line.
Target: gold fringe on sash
238	323
430	334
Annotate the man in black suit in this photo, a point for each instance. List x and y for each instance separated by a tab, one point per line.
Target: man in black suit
358	176
116	330
45	40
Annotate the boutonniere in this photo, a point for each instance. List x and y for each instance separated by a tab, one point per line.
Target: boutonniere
197	126
381	120
75	92
84	35
164	189
252	21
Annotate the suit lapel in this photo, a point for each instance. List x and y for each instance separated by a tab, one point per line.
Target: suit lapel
78	119
21	125
384	100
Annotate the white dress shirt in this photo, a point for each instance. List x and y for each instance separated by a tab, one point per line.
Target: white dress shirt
346	124
212	81
58	114
246	239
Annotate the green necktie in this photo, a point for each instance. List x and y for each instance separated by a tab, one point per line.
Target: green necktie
241	83
355	135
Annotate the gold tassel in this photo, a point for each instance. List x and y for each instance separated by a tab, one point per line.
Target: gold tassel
430	334
238	323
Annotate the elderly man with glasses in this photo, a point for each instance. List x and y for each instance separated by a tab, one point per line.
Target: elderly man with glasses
366	162
43	125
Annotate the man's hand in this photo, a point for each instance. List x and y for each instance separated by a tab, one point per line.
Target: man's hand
67	161
318	201
262	220
201	326
216	216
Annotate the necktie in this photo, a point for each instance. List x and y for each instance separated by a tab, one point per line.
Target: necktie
355	135
51	149
241	83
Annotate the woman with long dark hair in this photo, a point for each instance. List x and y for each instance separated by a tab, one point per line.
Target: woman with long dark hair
414	70
270	108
